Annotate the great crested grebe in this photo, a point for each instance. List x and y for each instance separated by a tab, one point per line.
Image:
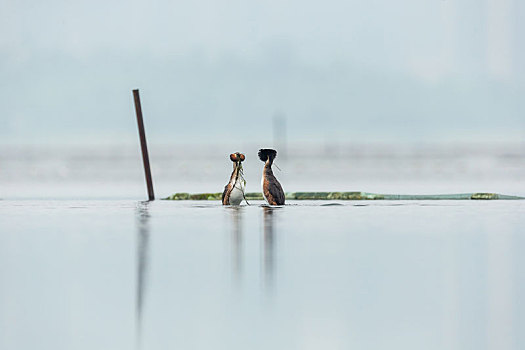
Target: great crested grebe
272	190
234	191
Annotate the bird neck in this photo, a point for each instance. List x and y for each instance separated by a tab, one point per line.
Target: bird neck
268	166
235	174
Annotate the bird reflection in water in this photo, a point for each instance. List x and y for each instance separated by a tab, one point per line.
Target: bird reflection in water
237	242
268	247
143	233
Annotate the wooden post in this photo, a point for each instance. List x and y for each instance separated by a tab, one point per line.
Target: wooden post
143	145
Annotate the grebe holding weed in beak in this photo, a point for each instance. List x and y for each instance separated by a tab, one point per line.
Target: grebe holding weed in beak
234	191
272	190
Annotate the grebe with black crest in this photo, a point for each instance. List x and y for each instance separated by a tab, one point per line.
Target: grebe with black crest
272	190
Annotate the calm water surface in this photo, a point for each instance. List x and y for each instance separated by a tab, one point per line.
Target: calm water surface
311	275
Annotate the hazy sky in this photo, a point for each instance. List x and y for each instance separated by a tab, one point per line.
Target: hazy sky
215	70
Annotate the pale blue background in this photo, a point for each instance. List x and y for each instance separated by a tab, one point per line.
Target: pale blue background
337	70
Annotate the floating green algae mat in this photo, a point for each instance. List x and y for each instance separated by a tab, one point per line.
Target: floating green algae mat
349	196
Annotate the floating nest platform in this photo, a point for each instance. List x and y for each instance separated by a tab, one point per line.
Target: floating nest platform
350	196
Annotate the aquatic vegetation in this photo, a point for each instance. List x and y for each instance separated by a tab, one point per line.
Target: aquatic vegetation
182	196
484	196
352	196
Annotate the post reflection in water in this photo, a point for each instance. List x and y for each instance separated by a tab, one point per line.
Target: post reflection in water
143	234
237	242
268	248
